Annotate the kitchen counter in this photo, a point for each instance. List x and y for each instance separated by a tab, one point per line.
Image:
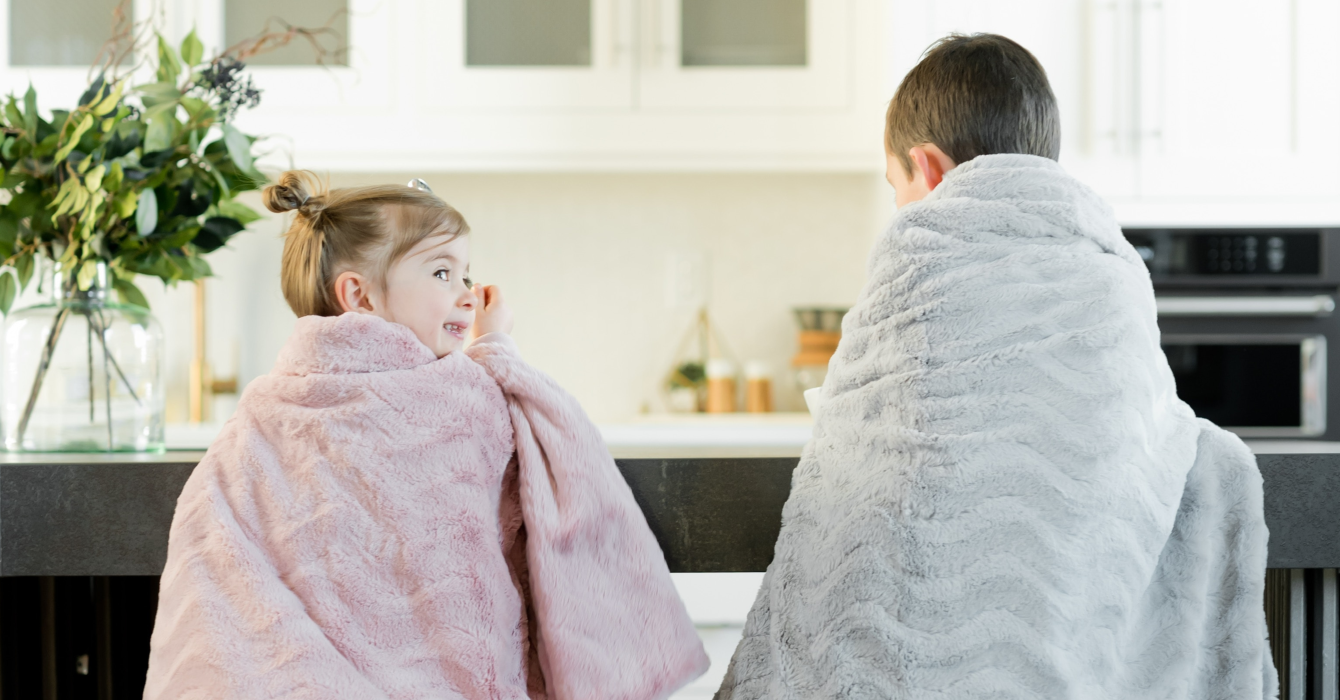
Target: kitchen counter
650	436
86	515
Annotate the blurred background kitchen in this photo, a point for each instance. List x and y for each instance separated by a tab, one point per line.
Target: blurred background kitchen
627	164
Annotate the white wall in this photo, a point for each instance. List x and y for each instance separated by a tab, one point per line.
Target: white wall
582	259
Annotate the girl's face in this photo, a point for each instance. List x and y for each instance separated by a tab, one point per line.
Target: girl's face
428	291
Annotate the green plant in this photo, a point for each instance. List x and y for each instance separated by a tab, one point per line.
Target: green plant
143	178
688	375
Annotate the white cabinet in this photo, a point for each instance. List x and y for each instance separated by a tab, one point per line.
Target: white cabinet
1174	99
353	83
1160	99
744	54
475	59
1241	98
636	55
51	44
1079	44
352	77
440	85
641	85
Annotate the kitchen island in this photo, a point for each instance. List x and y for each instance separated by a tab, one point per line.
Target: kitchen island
83	539
108	515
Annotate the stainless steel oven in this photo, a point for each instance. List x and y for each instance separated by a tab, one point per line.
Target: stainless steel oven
1248	323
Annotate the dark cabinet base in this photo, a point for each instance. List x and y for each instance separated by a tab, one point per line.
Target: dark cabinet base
87	638
75	637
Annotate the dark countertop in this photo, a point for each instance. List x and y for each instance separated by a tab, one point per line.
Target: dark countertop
67	515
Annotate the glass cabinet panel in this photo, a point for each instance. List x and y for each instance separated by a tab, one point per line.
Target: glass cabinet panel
742	33
328	45
528	32
59	32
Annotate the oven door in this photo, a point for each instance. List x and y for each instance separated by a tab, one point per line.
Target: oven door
1255	385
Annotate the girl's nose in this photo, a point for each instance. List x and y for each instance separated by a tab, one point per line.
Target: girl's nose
471	297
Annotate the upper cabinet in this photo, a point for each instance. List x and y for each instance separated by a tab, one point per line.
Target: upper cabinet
432	85
526	54
1160	99
640	55
1175	99
588	85
52	43
1080	44
1240	99
329	57
744	54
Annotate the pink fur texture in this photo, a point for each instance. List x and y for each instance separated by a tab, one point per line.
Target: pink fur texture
354	533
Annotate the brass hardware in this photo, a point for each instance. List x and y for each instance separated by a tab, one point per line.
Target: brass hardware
203	385
223	386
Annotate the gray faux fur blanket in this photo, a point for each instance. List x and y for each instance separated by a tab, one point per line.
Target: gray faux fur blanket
1004	497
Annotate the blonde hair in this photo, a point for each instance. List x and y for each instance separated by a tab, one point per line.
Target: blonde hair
354	228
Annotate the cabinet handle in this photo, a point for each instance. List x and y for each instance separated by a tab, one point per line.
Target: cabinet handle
1137	77
622	41
1142	129
1110	131
654	28
1314	407
652	33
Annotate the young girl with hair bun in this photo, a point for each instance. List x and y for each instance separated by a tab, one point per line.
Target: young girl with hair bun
393	514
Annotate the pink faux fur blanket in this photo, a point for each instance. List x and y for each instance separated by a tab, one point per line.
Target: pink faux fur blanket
354	532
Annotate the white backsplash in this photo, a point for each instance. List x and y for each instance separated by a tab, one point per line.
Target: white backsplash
584	260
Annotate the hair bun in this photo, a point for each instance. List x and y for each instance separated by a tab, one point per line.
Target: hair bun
291	193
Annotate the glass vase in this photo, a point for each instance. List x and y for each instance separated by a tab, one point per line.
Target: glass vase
81	373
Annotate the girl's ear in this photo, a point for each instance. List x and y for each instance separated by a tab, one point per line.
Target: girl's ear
353	292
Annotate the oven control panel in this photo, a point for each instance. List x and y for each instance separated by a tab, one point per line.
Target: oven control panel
1218	252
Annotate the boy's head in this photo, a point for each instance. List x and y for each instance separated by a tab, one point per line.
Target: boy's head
969	96
393	251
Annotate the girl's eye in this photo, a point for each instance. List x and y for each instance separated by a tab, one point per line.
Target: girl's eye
469	283
442	274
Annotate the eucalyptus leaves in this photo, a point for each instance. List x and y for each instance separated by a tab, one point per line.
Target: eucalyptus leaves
142	178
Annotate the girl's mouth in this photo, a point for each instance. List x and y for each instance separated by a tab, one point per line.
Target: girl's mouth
456	330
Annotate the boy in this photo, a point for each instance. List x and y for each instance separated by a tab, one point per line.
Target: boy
1004	497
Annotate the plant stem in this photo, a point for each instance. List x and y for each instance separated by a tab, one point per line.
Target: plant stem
47	351
106	355
102	338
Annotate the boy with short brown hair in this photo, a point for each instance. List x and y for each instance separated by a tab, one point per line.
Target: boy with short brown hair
1004	497
969	96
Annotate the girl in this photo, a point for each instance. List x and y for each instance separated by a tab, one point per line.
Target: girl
388	516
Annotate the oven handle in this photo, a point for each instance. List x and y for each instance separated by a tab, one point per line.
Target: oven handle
1314	385
1319	305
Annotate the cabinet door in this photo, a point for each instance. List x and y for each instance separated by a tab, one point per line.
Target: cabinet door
52	44
1079	44
344	64
1243	100
526	53
744	54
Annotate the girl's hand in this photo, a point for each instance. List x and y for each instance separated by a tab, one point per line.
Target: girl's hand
492	315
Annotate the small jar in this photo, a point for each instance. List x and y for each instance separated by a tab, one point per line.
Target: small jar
720	386
757	387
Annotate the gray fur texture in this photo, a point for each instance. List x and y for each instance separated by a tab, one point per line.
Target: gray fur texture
1004	497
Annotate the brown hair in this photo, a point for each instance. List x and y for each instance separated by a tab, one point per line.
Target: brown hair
972	96
354	228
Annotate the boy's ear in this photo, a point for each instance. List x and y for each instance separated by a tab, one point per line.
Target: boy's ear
353	292
930	163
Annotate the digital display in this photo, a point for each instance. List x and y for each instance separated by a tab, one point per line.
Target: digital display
1228	251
